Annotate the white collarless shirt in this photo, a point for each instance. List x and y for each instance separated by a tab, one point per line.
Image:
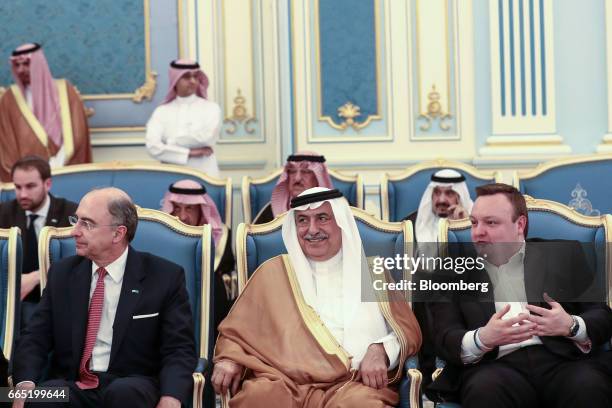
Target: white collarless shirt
327	278
184	123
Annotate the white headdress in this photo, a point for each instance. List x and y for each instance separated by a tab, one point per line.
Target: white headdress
427	221
363	322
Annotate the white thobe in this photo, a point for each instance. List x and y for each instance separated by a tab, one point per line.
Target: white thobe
182	124
327	278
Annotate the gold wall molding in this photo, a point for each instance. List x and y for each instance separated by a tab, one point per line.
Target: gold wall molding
349	112
435	112
147	90
240	116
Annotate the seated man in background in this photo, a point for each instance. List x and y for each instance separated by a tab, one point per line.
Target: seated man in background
301	330
446	196
32	209
117	321
302	171
187	200
40	115
517	346
185	127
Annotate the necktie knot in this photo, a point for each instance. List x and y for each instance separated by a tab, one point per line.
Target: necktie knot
101	273
33	218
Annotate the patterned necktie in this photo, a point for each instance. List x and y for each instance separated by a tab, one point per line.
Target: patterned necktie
88	380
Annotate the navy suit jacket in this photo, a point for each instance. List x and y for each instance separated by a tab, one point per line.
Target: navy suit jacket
161	346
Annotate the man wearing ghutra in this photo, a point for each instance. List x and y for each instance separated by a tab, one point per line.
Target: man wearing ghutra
40	115
302	171
187	199
300	334
185	127
446	196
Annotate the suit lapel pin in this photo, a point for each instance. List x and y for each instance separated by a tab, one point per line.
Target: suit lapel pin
136	291
54	220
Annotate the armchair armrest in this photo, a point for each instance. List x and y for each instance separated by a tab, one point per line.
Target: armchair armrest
439	367
202	366
410	385
198	383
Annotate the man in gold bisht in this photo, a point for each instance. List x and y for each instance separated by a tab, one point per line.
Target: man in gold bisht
40	115
300	334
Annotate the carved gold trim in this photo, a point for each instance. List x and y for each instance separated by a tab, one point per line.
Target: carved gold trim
2	91
240	116
12	235
319	87
248	180
410	171
349	112
416	377
147	90
434	111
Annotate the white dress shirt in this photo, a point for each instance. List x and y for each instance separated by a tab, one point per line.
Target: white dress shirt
508	282
42	212
182	124
327	278
112	290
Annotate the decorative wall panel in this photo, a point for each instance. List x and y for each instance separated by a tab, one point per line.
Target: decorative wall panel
434	37
522	67
99	45
347	60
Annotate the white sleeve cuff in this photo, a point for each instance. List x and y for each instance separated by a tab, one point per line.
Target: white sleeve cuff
24	382
581	339
470	353
392	348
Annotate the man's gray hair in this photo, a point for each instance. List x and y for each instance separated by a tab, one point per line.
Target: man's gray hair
124	212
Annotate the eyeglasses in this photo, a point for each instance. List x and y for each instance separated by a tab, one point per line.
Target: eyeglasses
75	221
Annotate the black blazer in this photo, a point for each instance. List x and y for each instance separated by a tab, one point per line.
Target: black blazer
162	346
12	215
560	273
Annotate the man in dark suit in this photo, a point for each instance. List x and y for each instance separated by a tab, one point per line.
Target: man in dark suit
520	347
32	209
125	339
